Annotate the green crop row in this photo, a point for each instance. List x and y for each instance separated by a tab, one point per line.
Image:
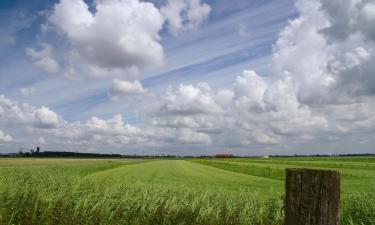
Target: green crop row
323	163
102	192
69	195
250	169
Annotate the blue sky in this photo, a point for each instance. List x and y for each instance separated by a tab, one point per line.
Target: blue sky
215	50
172	69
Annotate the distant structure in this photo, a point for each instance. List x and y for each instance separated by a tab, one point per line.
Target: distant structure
37	149
224	156
265	157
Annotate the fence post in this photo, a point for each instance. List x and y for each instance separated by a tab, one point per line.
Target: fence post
312	197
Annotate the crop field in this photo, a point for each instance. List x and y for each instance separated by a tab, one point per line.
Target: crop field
195	191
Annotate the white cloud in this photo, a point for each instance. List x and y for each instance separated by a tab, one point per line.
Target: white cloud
188	99
334	61
5	137
321	87
14	113
349	17
355	58
43	59
98	131
126	89
121	34
46	118
250	89
48	125
185	15
177	121
51	128
264	138
47	64
256	111
40	141
192	137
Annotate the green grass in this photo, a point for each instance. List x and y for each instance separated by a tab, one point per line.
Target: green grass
187	174
352	179
231	191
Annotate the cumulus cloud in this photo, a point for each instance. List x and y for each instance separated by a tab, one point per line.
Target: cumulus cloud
115	38
188	99
185	15
256	110
12	112
51	128
321	82
349	17
329	70
46	118
250	89
43	121
43	59
97	131
121	34
316	77
321	87
127	89
5	137
193	137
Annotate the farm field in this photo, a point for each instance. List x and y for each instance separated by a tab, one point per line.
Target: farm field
356	175
195	191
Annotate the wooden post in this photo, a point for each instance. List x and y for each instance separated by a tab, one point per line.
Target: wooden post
312	197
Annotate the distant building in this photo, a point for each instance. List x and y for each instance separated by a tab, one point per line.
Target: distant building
265	157
37	149
223	156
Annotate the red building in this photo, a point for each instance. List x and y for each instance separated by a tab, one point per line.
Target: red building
223	156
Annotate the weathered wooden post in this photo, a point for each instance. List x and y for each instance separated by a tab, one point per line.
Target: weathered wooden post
312	197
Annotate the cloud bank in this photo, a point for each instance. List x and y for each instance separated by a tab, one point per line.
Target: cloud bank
320	89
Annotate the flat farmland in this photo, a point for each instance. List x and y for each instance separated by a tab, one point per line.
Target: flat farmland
358	174
194	191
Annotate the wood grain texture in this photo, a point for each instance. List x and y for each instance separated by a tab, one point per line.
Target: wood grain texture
312	197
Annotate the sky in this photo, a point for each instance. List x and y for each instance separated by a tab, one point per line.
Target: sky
188	77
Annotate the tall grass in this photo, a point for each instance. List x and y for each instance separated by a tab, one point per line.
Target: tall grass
276	169
322	163
260	170
75	194
358	208
66	195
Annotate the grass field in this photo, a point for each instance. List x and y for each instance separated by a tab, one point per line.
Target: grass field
197	191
